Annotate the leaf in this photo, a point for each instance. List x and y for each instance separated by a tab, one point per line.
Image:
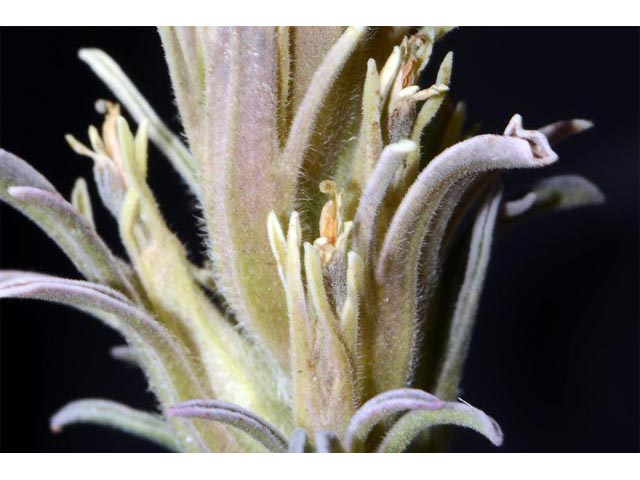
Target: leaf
309	46
452	413
163	359
115	415
304	121
81	200
287	254
370	140
560	131
241	132
365	222
382	407
25	189
442	263
463	319
235	416
184	53
560	192
169	144
334	377
392	338
350	313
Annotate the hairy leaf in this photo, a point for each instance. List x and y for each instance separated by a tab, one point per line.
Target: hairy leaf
452	413
308	116
242	143
164	360
25	189
383	406
559	131
335	370
391	338
461	327
184	53
81	200
120	417
235	416
365	223
560	192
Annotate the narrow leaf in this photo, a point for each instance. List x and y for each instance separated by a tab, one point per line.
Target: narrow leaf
365	223
461	328
370	140
235	416
184	53
81	200
560	192
335	365
302	127
163	359
120	417
350	312
382	407
452	413
242	143
25	189
306	405
564	129
309	47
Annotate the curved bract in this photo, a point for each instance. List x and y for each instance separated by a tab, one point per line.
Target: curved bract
332	187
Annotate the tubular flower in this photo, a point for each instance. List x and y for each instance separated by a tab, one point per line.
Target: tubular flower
336	195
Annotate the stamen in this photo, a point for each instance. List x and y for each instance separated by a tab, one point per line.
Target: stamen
111	112
331	225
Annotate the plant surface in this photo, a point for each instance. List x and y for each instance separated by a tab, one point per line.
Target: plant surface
348	218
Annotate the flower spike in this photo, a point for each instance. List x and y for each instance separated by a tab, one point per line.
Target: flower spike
321	334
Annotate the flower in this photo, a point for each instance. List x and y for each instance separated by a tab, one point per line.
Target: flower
335	194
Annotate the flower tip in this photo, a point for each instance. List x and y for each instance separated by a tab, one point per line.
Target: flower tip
497	436
405	146
272	217
514	125
538	141
581	124
86	53
56	425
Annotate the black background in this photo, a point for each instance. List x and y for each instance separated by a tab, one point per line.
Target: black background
555	355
